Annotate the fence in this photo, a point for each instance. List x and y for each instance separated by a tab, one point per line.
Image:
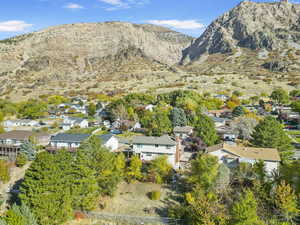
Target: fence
134	220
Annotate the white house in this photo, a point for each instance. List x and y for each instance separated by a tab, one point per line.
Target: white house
231	155
20	123
219	122
70	122
183	132
148	148
109	141
67	141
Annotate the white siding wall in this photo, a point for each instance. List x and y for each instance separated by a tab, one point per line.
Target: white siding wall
64	145
150	152
269	165
84	124
112	143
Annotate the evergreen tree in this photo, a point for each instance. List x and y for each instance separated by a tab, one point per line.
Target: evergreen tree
269	133
286	201
178	117
46	188
238	111
19	215
29	150
244	211
205	129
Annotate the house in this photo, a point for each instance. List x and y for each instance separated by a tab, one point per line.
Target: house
20	123
10	142
232	155
148	148
66	141
226	133
70	122
109	141
183	132
219	122
222	97
218	113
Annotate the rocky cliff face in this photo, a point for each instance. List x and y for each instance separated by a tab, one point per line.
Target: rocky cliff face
272	28
89	50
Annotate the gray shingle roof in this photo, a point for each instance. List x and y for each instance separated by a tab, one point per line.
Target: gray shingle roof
63	137
163	140
105	137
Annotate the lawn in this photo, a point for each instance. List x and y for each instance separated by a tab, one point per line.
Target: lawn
293	132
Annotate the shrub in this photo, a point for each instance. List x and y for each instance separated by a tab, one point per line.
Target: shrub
21	160
154	195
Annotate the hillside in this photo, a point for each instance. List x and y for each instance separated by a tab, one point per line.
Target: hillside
74	56
250	37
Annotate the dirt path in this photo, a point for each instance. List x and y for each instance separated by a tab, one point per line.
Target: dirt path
15	175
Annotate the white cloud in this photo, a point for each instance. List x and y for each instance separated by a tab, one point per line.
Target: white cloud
14	26
123	4
179	24
112	2
73	6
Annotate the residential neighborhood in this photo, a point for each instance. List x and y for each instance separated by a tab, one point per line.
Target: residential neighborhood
166	143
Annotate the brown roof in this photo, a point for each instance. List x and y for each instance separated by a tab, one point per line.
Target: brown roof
185	129
17	135
266	154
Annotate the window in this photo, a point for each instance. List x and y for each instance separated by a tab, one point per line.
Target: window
168	147
148	155
139	146
156	146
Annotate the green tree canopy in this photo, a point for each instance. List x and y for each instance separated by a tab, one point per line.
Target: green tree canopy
205	129
244	211
238	111
204	171
269	133
178	117
280	96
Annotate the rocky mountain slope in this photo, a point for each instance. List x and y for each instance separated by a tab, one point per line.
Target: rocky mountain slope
252	36
87	53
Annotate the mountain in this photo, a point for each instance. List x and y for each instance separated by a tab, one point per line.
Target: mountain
78	56
252	37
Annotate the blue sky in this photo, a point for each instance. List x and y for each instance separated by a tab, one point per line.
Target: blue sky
187	16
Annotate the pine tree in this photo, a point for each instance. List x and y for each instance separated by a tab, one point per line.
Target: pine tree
28	149
286	201
269	133
238	111
244	211
178	117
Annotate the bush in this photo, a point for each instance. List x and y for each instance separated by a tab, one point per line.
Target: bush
21	160
154	195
